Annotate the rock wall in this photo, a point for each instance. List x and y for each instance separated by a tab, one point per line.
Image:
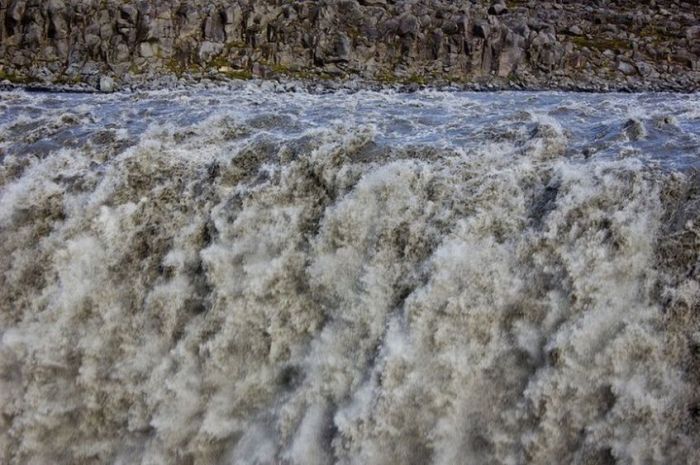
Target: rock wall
599	44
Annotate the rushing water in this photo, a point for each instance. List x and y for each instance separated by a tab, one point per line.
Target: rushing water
245	276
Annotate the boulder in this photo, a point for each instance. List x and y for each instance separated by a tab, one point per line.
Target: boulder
16	10
129	13
147	50
107	84
208	50
92	40
408	25
693	33
214	27
498	8
626	68
575	30
645	69
634	129
482	29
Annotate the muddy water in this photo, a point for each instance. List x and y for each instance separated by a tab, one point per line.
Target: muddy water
246	276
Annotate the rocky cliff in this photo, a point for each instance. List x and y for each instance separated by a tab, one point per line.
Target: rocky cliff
597	45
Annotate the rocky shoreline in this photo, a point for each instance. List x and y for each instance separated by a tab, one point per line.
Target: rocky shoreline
113	45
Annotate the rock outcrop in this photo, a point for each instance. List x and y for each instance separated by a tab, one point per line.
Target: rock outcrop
598	45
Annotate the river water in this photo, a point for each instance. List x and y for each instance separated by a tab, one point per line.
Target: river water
248	276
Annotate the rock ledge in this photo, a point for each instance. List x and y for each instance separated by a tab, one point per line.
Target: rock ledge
517	44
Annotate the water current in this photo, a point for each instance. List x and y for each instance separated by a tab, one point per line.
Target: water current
244	275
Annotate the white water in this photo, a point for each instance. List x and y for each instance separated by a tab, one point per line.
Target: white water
251	277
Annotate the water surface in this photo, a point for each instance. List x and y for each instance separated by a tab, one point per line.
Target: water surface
246	276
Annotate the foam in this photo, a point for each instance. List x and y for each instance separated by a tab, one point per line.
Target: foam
324	302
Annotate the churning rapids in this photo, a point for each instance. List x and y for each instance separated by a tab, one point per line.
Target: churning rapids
248	276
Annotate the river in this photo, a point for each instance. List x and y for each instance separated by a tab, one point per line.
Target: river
243	275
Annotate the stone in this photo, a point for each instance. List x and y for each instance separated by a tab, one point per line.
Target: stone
342	47
147	50
122	53
129	13
408	25
498	8
214	28
209	49
509	60
450	27
373	2
482	29
634	129
645	69
107	84
693	33
16	10
626	68
575	30
33	35
55	6
92	40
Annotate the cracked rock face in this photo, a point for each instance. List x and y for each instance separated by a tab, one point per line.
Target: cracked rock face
523	43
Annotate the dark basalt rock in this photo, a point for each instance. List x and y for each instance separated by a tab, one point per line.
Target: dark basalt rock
498	8
525	44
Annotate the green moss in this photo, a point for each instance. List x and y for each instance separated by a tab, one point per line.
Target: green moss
516	3
234	45
219	61
303	74
135	70
385	77
458	78
389	78
243	74
655	33
279	69
601	44
16	78
415	79
68	80
178	68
